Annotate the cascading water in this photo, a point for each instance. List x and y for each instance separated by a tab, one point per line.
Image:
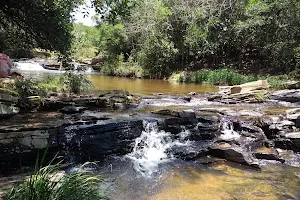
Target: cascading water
228	132
29	66
151	149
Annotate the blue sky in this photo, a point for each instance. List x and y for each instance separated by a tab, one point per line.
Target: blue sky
86	20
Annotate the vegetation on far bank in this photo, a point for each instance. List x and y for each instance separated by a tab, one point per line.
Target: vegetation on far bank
157	38
164	36
225	76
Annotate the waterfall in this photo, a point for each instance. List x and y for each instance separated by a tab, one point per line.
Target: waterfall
29	66
151	149
227	131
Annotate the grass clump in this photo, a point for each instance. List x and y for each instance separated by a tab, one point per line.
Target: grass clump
47	184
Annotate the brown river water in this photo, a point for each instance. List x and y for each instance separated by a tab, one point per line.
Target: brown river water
194	182
147	86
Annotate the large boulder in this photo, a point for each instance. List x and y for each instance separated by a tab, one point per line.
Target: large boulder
81	138
292	96
251	86
232	153
246	87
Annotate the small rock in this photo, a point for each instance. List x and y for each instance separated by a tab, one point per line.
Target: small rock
292	85
192	93
72	110
268	154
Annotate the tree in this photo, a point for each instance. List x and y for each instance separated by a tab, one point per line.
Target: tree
169	35
37	23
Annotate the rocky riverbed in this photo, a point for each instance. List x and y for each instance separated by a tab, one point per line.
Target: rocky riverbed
250	128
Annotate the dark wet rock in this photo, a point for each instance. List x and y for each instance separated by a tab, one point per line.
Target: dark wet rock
206	160
8	100
215	97
107	100
82	137
72	109
207	127
210	119
294	137
286	144
186	98
273	127
199	135
293	115
292	85
104	139
279	128
190	152
268	154
7	110
231	153
287	95
174	113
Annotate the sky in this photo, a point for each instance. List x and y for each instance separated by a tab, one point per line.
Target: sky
86	20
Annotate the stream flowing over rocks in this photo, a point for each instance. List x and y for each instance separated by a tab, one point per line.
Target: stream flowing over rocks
157	129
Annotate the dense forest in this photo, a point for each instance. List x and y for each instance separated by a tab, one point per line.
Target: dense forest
157	37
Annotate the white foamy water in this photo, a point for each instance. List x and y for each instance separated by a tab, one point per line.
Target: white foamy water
151	149
29	66
227	131
35	66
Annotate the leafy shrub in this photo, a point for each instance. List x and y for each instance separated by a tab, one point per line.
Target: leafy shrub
201	76
75	82
30	96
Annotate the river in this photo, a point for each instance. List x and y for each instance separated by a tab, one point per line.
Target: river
148	173
134	86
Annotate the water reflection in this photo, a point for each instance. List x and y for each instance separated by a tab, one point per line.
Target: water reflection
146	86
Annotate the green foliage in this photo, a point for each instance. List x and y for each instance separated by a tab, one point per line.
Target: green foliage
128	69
164	36
31	93
30	96
36	23
114	11
224	76
112	41
84	41
47	184
75	83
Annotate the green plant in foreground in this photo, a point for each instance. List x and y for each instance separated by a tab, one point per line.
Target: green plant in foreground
30	96
47	184
75	82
